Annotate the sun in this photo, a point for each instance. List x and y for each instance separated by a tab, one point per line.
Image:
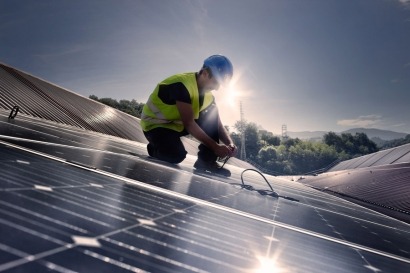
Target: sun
229	97
229	93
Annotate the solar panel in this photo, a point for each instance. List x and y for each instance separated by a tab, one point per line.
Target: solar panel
111	211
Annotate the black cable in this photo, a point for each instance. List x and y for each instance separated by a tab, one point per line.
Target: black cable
249	187
224	160
264	192
243	184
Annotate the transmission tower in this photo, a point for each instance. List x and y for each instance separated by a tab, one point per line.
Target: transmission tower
243	151
284	131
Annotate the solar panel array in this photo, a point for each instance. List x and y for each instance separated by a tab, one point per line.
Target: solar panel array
75	200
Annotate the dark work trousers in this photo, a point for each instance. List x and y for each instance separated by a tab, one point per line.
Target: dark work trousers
165	144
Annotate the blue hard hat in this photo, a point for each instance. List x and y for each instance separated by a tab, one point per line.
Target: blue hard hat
220	66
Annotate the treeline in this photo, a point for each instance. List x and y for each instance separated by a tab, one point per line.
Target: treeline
396	142
132	107
294	156
285	156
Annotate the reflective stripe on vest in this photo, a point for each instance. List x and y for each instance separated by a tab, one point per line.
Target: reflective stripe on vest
160	118
159	121
155	110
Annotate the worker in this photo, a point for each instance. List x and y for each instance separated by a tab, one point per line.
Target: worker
184	104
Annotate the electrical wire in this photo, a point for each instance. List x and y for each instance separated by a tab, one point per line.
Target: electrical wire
270	192
264	192
224	161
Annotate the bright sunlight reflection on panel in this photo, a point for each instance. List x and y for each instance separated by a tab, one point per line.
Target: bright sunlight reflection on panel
268	265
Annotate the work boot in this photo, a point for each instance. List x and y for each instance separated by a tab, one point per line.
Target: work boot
150	149
212	167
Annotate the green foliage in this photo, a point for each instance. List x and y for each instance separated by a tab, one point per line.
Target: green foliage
269	139
353	146
295	156
310	156
132	107
252	140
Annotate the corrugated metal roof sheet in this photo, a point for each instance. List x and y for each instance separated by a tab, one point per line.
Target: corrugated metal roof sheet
395	155
41	99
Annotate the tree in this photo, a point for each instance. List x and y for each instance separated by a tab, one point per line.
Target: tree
291	142
252	141
396	142
269	139
332	139
310	156
132	107
267	153
347	144
364	144
110	102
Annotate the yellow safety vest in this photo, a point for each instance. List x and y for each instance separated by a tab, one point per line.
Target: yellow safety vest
158	114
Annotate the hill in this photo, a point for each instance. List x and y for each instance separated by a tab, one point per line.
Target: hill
371	134
377	133
307	135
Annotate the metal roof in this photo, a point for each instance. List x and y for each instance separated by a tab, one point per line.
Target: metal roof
395	155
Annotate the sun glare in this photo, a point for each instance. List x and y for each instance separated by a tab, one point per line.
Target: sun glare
267	266
230	93
228	98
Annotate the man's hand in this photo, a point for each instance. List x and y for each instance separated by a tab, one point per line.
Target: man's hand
222	150
233	149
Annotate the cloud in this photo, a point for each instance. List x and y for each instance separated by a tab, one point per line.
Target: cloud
405	4
361	121
399	125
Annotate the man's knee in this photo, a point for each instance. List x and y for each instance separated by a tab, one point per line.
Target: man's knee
167	155
177	159
172	158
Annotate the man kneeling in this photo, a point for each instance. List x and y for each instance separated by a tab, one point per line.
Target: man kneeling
183	104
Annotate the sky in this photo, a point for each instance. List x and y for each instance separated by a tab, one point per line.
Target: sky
317	65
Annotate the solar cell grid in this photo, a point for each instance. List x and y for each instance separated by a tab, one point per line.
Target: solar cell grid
73	200
113	213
